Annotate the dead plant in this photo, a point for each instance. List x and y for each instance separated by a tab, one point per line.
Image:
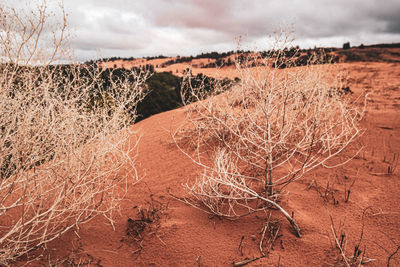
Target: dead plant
269	234
274	125
67	154
147	221
358	256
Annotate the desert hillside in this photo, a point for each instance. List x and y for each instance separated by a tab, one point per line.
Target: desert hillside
156	228
282	152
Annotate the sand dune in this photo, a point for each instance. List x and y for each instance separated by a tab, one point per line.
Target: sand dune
181	235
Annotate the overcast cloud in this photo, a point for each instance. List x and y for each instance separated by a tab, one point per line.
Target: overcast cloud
187	27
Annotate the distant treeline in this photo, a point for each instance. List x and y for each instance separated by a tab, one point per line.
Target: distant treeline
301	57
76	75
163	90
392	45
217	55
109	59
217	59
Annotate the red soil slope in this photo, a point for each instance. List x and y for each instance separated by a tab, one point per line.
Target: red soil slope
181	235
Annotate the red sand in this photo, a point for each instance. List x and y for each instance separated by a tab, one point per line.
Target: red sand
185	236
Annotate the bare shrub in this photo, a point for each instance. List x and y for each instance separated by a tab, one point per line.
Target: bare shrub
66	152
275	124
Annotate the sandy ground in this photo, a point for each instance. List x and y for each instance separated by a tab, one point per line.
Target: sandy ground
181	235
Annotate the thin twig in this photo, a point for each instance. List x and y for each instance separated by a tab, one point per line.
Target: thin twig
392	255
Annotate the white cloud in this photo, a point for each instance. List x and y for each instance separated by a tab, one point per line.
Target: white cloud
152	27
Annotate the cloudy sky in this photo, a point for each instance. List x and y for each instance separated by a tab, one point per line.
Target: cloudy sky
187	27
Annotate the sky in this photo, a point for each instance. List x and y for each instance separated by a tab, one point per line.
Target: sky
137	28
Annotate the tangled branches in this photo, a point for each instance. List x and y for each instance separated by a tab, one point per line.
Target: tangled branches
66	149
266	131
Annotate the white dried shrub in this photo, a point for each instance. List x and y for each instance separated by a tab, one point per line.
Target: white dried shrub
67	152
278	122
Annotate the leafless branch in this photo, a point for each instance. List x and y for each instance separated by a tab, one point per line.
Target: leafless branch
67	154
265	131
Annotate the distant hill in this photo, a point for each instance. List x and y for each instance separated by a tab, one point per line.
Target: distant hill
202	62
371	53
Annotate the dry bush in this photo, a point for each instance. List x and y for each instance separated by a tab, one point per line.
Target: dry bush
275	124
66	151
